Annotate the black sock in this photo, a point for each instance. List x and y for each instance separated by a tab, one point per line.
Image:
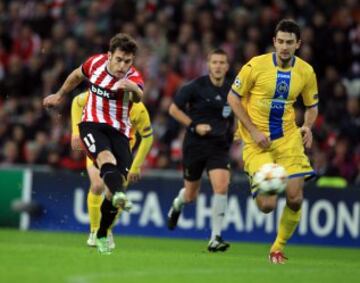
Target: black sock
112	177
108	214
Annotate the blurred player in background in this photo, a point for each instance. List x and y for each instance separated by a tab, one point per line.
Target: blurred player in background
114	85
262	98
141	125
202	107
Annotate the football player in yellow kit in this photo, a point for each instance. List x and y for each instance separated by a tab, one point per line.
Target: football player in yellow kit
140	123
262	98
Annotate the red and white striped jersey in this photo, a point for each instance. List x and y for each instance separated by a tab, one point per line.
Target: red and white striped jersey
106	103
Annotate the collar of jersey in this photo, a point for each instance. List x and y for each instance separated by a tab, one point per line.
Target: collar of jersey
293	59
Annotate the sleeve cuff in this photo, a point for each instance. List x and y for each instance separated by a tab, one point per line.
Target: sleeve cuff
83	71
313	105
147	135
235	93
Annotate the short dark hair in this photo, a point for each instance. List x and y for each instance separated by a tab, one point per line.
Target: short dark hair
218	51
124	42
288	25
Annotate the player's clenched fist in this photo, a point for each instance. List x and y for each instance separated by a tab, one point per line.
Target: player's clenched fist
202	129
128	85
307	136
260	139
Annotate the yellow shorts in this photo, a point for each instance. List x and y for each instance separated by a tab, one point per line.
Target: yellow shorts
287	151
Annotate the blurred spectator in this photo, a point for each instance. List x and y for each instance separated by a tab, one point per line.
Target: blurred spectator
32	151
10	153
343	159
193	61
75	161
15	81
26	44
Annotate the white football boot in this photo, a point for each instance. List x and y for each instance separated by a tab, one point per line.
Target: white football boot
91	241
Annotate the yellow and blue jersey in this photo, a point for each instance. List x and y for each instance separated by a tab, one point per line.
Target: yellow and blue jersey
268	93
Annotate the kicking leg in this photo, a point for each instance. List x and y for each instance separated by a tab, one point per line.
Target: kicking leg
112	177
115	197
108	215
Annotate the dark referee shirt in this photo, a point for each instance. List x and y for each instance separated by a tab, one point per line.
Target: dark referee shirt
207	104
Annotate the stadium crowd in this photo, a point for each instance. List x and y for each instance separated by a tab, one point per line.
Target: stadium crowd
42	41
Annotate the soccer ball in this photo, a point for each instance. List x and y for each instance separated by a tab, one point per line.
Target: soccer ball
270	179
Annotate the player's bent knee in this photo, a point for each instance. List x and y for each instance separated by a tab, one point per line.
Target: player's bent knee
295	199
105	157
266	204
97	188
266	208
221	190
294	203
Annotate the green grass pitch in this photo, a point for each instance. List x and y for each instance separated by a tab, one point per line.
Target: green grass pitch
28	257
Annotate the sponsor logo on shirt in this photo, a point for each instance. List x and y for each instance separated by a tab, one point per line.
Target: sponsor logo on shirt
101	92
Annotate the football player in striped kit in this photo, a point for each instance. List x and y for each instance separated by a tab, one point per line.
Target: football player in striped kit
140	127
114	85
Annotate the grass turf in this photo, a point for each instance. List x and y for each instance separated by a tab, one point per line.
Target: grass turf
63	257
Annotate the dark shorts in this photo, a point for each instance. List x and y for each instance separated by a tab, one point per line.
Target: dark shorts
205	155
97	137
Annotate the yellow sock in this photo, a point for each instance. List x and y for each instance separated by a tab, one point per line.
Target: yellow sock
288	222
94	203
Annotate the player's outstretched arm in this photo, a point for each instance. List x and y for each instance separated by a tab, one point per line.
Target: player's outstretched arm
235	103
71	82
309	120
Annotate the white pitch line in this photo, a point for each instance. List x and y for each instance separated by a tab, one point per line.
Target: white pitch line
26	198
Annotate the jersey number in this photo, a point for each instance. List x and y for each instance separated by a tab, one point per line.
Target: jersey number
90	142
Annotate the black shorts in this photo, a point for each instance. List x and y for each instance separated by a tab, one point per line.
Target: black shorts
98	137
204	155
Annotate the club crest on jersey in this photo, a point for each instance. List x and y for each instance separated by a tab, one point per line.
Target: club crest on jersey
101	91
282	89
226	111
237	82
